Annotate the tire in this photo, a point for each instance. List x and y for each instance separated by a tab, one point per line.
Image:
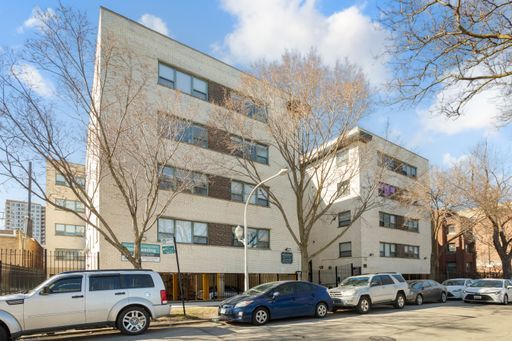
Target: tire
4	333
505	299
321	310
399	301
260	316
443	297
133	321
364	305
419	299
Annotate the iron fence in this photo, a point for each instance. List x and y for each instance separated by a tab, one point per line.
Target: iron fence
22	270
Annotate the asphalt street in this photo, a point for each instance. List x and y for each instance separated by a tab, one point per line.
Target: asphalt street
454	320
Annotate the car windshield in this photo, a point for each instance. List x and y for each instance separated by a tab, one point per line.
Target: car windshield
459	282
487	284
260	288
355	281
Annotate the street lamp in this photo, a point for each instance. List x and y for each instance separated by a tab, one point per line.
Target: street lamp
239	232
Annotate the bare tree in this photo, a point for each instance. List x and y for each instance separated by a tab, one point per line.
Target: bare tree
463	47
485	184
433	194
310	111
109	114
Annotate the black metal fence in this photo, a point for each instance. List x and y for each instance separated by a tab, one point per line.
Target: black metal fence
22	270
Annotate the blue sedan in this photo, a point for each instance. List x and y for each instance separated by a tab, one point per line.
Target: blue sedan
277	300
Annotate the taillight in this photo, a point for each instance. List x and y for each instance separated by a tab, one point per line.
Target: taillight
163	297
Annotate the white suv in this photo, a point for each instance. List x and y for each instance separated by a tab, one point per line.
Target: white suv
360	292
125	299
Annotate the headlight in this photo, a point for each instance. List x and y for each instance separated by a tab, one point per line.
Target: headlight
243	304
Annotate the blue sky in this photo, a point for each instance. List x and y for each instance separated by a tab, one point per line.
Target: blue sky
243	31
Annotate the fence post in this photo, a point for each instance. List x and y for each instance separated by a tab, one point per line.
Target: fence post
45	263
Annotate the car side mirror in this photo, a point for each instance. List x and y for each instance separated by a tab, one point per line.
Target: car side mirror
374	284
44	291
275	295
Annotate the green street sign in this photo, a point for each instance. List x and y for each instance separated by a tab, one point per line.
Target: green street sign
168	249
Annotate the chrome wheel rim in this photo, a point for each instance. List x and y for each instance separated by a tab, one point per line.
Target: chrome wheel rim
321	310
365	305
261	316
443	297
419	300
401	301
134	321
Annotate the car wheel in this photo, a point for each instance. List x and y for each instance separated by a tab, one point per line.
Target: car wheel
505	299
443	297
133	321
399	301
4	333
321	310
260	316
419	299
364	305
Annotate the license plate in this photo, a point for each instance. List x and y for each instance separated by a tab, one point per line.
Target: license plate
478	297
222	310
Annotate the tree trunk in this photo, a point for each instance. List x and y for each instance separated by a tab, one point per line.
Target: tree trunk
304	261
137	263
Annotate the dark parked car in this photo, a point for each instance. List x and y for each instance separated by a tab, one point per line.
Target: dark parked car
277	300
426	290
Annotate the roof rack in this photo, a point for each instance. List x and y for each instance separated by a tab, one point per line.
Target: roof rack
103	270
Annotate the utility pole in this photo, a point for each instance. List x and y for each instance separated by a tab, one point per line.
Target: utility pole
29	216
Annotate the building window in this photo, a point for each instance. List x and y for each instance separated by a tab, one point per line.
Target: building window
68	254
346	249
398	166
249	108
451	229
387	190
399	250
188	232
344	188
73	205
172	178
250	150
451	267
256	238
344	219
342	158
387	220
61	180
69	230
411	224
452	247
182	81
193	133
240	192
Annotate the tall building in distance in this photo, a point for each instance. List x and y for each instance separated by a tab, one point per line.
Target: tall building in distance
16	213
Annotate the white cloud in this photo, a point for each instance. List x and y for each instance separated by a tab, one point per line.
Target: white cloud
449	160
480	113
35	21
154	23
33	79
265	29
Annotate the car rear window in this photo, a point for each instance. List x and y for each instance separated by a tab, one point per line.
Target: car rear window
399	278
104	282
386	280
137	281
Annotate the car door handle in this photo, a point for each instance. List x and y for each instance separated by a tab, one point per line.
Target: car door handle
78	296
120	293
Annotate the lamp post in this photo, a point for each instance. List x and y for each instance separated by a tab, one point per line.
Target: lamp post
239	232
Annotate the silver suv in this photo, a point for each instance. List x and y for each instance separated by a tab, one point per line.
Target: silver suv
125	299
360	292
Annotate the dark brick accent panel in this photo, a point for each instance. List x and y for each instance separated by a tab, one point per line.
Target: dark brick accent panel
217	93
219	187
218	140
220	234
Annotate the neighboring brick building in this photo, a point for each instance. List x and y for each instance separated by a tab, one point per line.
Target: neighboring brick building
457	252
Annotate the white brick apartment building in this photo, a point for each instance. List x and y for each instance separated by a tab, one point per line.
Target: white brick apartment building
202	221
16	213
388	237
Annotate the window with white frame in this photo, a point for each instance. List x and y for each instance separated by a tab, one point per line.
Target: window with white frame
73	205
185	231
240	192
256	238
251	150
69	230
172	178
344	188
342	158
346	249
344	219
